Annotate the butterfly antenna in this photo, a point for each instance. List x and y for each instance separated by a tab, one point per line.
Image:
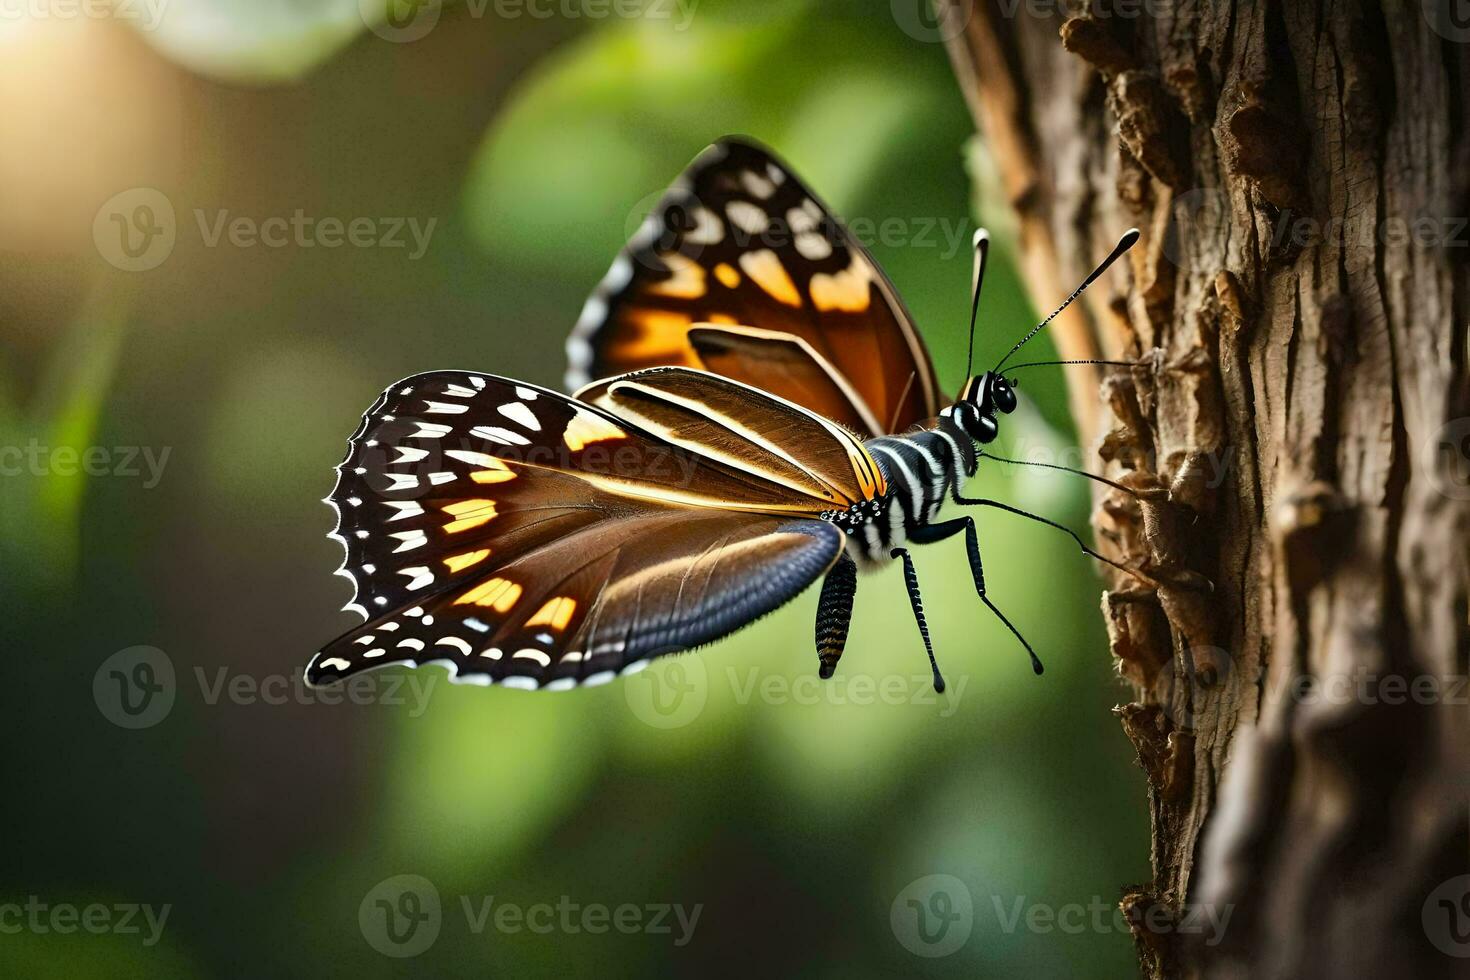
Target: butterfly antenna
982	250
1086	360
1124	244
1159	493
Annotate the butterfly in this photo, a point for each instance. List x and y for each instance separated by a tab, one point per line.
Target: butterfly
739	374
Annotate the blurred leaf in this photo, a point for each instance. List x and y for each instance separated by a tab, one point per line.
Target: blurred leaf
484	774
632	91
254	41
39	512
990	824
823	123
268	439
989	197
72	395
44	954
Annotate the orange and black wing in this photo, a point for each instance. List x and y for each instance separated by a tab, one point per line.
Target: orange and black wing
523	537
740	269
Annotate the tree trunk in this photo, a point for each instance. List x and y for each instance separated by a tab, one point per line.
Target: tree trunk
1298	305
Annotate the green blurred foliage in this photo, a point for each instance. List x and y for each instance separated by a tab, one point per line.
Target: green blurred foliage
252	41
793	813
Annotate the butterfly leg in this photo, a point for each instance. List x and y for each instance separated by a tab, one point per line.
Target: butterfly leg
984	502
946	529
911	579
834	613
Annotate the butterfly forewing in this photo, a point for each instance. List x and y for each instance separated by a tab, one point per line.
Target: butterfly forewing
742	249
522	536
715	416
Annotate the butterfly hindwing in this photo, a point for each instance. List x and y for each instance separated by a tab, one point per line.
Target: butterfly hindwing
522	536
739	243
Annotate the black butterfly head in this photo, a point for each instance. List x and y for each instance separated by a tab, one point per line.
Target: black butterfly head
996	393
979	400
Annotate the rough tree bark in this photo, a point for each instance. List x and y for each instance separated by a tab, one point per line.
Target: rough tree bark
1298	303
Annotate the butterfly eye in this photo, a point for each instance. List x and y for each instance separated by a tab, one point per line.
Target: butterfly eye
1004	396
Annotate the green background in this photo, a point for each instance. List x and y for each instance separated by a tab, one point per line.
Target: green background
794	814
